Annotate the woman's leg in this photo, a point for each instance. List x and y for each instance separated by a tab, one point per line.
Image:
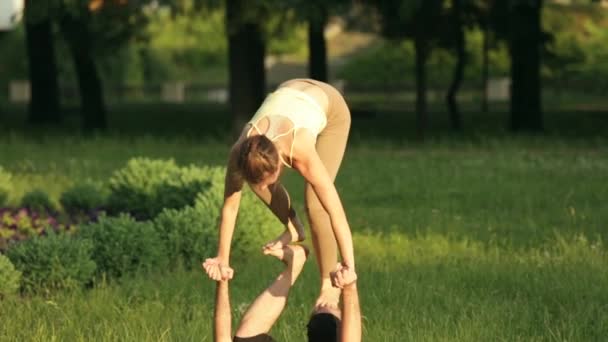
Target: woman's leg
331	145
277	200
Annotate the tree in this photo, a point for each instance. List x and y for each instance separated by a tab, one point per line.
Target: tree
90	28
246	55
44	103
421	21
76	32
519	23
317	46
463	14
316	14
460	47
525	43
484	22
94	28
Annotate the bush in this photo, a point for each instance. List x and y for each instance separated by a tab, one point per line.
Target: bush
22	224
83	198
388	64
5	186
256	225
191	234
122	245
9	277
37	200
145	187
56	261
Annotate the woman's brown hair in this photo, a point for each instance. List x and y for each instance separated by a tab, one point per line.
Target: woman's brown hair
258	157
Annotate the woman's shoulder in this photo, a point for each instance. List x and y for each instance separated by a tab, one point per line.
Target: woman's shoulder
303	145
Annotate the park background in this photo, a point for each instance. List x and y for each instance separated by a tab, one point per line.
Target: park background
474	181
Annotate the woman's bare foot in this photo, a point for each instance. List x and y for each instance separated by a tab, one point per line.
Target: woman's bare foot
328	298
290	255
292	233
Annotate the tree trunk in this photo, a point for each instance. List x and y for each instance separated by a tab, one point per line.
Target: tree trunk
93	109
44	101
525	44
317	57
455	117
421	46
485	67
246	54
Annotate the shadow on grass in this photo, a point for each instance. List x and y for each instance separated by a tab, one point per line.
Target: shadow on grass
389	122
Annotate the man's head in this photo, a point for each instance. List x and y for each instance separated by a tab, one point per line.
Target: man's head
323	327
258	338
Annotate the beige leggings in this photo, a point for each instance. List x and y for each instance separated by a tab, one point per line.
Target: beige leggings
331	144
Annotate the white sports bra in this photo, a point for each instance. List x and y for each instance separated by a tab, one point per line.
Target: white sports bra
300	108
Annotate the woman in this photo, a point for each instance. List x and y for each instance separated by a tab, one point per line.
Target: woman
303	125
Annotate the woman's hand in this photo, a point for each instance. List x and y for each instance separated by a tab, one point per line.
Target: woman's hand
217	270
343	276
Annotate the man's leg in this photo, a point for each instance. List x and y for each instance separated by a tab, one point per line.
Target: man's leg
267	307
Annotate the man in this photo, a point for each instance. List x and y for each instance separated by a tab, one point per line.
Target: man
326	324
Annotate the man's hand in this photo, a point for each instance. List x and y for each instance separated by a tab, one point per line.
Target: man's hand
217	270
343	276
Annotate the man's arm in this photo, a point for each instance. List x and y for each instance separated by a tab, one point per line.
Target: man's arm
222	329
346	279
351	314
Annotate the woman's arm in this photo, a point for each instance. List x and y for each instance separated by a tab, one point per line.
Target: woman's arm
232	198
311	167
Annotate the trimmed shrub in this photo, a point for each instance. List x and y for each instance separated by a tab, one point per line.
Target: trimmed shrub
191	234
83	198
5	186
37	200
56	261
9	277
145	187
256	225
123	246
22	224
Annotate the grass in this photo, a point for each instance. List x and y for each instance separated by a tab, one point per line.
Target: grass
471	237
424	288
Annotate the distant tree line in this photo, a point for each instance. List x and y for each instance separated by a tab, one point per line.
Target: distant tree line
93	28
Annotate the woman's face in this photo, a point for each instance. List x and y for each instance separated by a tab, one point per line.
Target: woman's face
270	179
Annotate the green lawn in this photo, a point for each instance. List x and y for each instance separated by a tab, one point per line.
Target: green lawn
470	237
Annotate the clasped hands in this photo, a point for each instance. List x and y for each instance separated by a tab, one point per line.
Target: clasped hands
220	271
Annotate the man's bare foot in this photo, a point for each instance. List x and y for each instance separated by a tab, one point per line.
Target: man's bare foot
290	255
292	233
328	298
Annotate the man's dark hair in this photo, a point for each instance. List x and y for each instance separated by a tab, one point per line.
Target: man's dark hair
258	338
323	327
